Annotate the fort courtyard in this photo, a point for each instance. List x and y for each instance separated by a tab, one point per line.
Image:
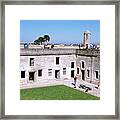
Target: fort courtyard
45	65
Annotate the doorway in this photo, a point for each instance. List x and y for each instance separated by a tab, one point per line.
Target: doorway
57	74
83	74
31	76
72	73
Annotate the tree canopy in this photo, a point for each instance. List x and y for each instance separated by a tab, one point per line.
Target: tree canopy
40	40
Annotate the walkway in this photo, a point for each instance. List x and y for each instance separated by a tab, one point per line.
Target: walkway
94	89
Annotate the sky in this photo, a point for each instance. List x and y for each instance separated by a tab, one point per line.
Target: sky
60	31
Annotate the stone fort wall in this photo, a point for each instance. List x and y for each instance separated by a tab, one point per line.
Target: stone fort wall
45	59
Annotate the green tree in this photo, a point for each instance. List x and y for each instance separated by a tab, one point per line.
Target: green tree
46	38
39	41
36	42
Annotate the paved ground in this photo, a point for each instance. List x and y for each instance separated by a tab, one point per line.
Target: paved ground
95	91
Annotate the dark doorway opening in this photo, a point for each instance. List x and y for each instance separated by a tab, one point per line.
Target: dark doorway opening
57	74
57	60
83	74
72	73
22	74
31	76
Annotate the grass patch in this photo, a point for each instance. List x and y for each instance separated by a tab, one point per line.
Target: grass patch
59	92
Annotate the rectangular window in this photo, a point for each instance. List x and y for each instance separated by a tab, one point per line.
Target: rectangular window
31	61
88	73
49	72
83	66
22	74
72	73
57	60
64	71
96	74
72	64
39	73
77	70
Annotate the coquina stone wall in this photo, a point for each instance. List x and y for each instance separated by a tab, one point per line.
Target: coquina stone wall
45	59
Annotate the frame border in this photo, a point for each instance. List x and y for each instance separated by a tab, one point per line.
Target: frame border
62	2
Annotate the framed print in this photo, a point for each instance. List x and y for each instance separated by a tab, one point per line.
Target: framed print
59	59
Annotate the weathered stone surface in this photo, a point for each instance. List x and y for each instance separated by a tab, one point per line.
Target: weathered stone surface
45	59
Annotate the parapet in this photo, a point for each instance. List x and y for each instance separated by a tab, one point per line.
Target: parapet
88	52
40	52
